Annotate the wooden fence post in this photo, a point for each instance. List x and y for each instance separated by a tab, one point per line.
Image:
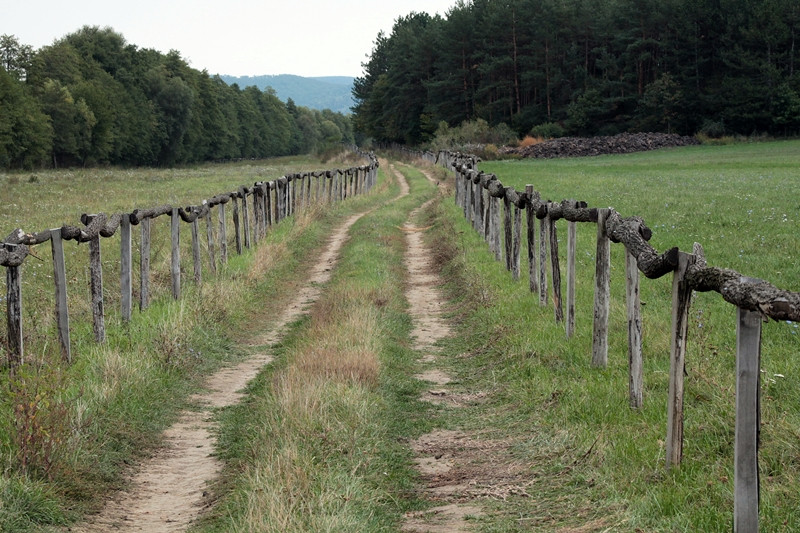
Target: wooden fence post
496	238
748	420
223	237
237	230
572	238
602	279
175	266
16	351
555	269
292	195
246	219
144	266
258	226
96	282
634	305
459	186
681	299
507	231
268	207
60	279
125	268
198	268
516	245
543	229
477	194
531	219
467	198
212	258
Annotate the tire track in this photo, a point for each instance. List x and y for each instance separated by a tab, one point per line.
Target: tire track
426	304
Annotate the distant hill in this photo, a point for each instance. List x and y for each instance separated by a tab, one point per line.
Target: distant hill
325	92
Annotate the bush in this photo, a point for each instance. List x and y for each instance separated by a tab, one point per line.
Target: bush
548	130
476	133
712	129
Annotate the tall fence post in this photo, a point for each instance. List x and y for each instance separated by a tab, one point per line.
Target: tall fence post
543	230
125	268
634	305
237	225
496	238
212	258
507	231
175	264
223	236
531	220
96	284
144	266
60	279
572	237
681	299
555	269
748	420
16	351
516	244
196	260
258	226
477	195
601	292
246	219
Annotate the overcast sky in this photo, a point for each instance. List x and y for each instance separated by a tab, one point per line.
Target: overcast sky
236	37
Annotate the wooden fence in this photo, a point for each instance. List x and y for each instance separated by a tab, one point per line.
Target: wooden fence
254	210
485	201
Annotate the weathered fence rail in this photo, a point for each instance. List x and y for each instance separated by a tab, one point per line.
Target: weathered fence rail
480	195
255	209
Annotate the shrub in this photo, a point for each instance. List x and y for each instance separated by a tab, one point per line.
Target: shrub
548	130
712	129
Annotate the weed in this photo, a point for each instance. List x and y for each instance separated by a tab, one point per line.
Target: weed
41	417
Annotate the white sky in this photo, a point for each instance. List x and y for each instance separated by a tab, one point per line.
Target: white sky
236	37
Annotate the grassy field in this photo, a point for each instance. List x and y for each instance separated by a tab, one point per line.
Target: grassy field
320	446
67	434
595	459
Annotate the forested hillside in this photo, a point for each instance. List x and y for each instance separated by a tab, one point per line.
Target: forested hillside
720	66
92	98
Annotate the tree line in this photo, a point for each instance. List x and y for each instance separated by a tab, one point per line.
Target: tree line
91	98
586	67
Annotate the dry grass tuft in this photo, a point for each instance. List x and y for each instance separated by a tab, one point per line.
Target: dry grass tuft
267	256
529	140
349	365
